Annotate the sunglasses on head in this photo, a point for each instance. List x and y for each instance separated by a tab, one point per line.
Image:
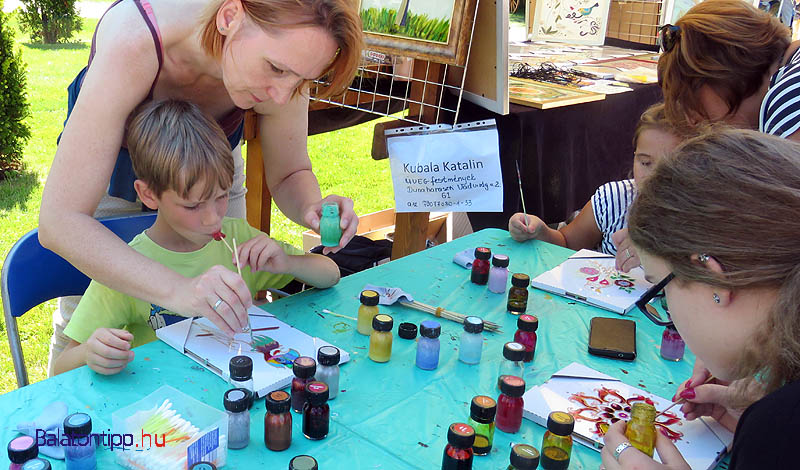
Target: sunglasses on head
649	310
668	36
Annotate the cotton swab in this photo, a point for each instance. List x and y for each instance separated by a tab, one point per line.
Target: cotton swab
328	312
522	196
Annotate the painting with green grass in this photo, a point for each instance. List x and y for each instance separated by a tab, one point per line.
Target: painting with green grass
422	20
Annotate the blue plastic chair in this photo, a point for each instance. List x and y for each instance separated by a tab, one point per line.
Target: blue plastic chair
33	274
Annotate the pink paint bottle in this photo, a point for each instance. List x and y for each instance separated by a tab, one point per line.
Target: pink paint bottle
672	345
509	404
20	450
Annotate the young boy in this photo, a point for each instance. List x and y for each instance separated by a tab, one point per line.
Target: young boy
184	168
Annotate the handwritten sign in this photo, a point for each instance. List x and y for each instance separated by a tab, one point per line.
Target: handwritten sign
453	171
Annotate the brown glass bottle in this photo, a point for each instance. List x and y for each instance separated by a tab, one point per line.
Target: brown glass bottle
316	412
304	369
278	421
518	294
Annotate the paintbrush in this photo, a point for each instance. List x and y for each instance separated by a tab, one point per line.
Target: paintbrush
522	196
682	400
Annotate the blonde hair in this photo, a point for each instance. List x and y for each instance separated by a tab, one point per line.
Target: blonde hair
174	145
726	44
735	195
653	118
338	17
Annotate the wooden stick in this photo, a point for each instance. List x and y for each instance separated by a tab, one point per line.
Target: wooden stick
447	314
682	400
521	196
328	312
227	244
236	257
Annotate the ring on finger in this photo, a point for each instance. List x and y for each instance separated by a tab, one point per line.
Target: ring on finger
217	304
628	253
620	449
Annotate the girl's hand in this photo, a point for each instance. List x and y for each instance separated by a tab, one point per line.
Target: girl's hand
627	258
108	350
520	231
348	220
633	458
262	253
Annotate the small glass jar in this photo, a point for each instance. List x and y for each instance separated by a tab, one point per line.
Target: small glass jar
526	335
328	358
428	345
241	376
380	341
304	368
471	345
481	418
672	345
498	274
524	457
330	229
512	364
557	441
480	267
509	404
303	462
458	452
235	403
81	454
367	311
36	464
20	450
316	412
518	294
641	430
278	421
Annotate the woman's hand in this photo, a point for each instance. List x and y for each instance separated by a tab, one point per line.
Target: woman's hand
525	227
627	258
348	220
633	458
220	295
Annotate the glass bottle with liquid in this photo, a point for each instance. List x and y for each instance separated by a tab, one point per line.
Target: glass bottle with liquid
524	457
471	345
330	229
481	417
428	345
641	430
380	341
235	404
36	464
278	421
241	376
557	442
526	335
458	452
518	294
79	456
367	311
303	462
498	274
304	368
672	345
480	266
316	412
512	364
20	450
510	404
328	358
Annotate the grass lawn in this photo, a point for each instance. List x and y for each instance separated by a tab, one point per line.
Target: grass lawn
341	161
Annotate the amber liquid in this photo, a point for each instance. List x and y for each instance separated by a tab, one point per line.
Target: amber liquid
554	458
278	431
481	445
456	459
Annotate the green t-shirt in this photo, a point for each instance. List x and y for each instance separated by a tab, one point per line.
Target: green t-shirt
102	307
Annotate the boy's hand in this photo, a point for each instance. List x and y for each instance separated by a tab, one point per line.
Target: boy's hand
262	253
108	350
520	231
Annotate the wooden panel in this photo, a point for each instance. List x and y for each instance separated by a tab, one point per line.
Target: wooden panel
411	230
634	20
258	199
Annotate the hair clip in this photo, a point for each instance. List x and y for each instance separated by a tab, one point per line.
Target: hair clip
703	258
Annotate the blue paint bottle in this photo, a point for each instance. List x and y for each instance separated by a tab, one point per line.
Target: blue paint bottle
428	345
80	453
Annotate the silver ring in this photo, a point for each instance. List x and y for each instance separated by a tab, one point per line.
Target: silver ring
219	302
620	449
628	253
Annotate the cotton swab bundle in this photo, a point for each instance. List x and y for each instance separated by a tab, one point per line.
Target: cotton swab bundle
447	314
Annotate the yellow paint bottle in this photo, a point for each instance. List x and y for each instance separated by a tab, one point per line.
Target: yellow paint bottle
367	311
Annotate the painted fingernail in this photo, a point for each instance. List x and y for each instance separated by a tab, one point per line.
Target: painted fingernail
688	394
689	383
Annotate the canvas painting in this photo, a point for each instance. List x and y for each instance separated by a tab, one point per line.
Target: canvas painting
572	21
547	95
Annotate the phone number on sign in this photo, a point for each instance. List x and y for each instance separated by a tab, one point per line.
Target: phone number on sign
438	204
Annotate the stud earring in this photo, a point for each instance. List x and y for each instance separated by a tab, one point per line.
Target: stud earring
702	257
221	29
716	298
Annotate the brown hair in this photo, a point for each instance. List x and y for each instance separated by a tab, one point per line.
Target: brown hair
174	145
338	17
733	194
653	118
726	44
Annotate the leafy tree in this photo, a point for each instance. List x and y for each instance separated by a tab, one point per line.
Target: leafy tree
14	107
50	21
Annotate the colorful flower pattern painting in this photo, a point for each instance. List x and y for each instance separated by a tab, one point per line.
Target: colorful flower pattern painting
599	277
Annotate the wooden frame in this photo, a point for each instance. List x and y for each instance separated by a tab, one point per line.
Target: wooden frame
547	95
453	51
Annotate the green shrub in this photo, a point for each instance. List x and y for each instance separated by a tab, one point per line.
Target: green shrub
50	21
14	107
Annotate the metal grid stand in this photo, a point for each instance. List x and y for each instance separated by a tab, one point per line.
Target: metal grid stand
635	20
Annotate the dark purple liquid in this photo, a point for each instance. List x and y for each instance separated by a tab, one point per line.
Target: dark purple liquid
316	420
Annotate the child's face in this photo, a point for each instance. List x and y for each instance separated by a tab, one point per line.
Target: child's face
651	147
194	219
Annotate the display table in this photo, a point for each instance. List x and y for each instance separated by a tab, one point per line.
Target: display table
390	416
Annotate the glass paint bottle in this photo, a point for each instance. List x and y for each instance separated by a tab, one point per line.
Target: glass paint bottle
316	412
330	229
458	452
526	335
524	457
509	404
672	345
36	464
480	267
235	403
557	441
512	364
304	369
471	345
481	417
328	358
518	294
79	455
278	421
367	311
20	450
428	345
241	376
303	462
498	274
380	341
203	466
641	430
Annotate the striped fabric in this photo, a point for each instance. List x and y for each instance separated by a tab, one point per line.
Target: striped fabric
610	204
780	110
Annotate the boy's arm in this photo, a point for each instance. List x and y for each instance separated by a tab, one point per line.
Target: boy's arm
107	352
313	269
262	253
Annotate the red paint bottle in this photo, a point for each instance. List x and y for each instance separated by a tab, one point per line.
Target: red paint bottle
509	404
526	335
458	453
480	267
304	368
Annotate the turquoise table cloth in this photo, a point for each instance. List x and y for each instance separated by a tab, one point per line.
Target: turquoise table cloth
390	416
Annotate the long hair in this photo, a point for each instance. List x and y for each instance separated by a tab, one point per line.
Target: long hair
735	195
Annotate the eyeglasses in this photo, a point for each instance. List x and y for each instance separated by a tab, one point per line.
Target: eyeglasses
668	36
648	309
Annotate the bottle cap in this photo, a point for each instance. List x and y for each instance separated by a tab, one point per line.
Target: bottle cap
304	367
514	351
483	253
330	209
37	464
77	424
278	402
317	392
520	280
407	330
512	386
430	329
483	409
461	435
524	457
527	323
236	400
672	329
560	423
370	298
501	261
328	356
473	325
204	466
303	462
21	449
241	368
382	322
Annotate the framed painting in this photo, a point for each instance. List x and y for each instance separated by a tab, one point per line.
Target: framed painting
571	21
543	95
438	30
